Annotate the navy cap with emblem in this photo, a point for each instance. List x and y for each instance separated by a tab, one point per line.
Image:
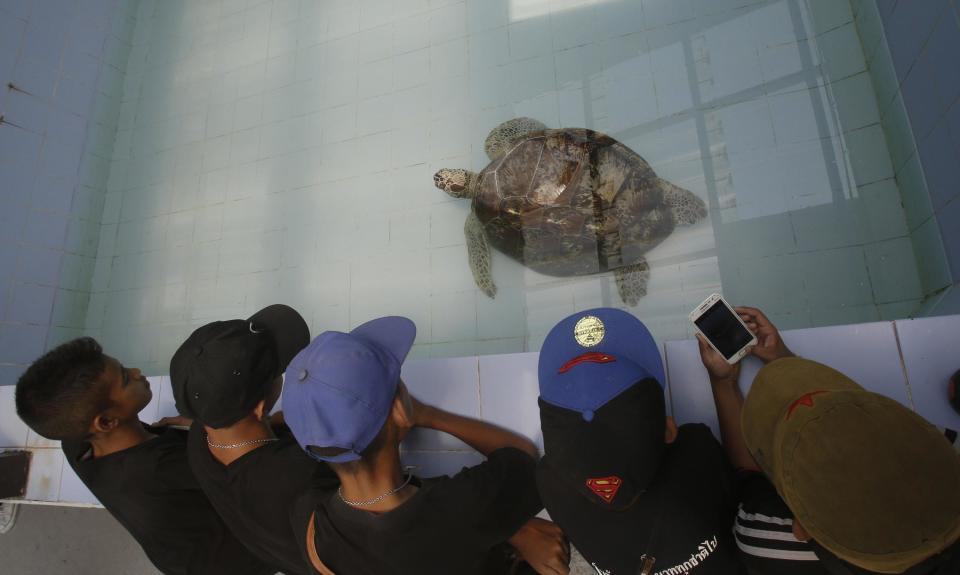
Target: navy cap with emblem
602	411
225	368
595	355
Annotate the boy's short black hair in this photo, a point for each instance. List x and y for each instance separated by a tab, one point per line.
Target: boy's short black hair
60	394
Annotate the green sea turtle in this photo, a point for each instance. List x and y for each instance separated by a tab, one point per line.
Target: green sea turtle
567	202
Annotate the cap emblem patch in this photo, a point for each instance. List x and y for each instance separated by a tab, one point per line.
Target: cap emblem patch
589	331
589	357
805	399
605	487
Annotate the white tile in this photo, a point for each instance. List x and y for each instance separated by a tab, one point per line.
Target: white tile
36	441
448	23
509	388
930	359
451	384
13	431
689	385
435	463
867	353
411	33
73	490
43	482
150	413
454	316
166	405
411	69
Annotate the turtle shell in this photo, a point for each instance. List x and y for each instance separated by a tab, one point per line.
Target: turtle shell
572	202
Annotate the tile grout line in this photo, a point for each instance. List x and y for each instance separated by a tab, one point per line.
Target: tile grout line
479	391
903	365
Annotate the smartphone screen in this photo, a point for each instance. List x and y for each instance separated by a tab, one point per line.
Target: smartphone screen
723	329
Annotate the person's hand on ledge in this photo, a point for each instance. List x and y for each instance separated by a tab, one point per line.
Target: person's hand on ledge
175	421
770	345
543	546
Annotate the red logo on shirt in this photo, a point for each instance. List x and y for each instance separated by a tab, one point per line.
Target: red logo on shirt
805	399
605	487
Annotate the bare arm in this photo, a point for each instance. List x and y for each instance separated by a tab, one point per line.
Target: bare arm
729	403
480	435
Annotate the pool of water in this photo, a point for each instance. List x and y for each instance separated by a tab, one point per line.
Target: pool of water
285	151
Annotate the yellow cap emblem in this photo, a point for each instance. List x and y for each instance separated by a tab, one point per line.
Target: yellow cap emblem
589	331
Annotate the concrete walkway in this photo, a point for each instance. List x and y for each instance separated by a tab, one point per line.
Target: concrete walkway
70	540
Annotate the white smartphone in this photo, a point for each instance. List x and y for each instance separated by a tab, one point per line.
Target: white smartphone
723	328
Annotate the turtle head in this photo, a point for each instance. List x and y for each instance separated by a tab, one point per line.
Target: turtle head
458	183
506	133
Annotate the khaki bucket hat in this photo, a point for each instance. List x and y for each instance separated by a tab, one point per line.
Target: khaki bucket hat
870	480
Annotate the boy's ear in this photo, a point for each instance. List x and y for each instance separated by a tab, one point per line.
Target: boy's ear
400	414
260	408
670	433
103	423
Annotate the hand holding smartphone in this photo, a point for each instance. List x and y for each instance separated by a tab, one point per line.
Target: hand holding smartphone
723	328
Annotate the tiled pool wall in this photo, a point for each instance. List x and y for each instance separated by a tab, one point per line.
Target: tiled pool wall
911	49
239	153
62	65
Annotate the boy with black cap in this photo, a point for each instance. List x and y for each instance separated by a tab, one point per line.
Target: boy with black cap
852	482
89	401
346	405
634	493
226	377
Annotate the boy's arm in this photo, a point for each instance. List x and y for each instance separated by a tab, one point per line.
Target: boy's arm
729	403
480	435
543	546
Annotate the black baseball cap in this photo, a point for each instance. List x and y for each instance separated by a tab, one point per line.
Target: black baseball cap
226	367
612	459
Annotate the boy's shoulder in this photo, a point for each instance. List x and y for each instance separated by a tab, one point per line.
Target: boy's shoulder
167	443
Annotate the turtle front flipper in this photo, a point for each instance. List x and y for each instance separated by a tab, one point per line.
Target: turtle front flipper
632	281
478	251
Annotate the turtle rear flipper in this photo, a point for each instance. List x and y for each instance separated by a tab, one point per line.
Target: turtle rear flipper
478	251
687	207
632	281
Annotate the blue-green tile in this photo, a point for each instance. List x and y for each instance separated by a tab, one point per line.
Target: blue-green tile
931	257
893	270
856	102
869	155
913	190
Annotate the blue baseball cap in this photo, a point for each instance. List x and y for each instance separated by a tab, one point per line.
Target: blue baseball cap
593	356
340	388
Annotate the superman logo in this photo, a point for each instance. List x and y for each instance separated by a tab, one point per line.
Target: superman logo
605	487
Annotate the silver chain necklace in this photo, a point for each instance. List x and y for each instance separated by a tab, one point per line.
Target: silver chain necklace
241	444
376	499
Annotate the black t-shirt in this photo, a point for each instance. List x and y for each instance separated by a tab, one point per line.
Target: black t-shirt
682	520
151	491
451	524
764	534
255	493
